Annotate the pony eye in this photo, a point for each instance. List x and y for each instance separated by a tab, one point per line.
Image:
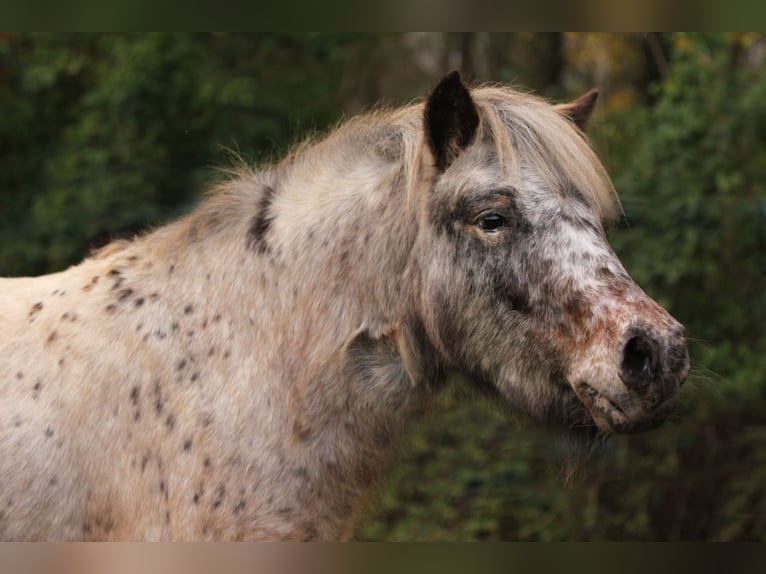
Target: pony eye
491	222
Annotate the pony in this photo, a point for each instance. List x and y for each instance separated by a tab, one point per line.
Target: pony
244	372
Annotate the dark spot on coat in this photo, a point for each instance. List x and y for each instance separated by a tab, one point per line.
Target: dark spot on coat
301	472
134	394
159	402
48	432
604	273
138	302
170	422
240	507
19	376
36	308
36	388
220	494
187	445
171	268
301	430
124	294
90	285
206	463
576	309
261	223
188	309
110	308
154	296
181	365
194	377
144	461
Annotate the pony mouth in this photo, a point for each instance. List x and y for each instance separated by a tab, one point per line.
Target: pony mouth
606	413
626	416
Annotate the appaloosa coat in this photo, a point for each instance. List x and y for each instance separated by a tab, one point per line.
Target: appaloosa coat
243	372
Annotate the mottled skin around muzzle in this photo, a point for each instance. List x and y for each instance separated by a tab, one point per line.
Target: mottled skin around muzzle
635	386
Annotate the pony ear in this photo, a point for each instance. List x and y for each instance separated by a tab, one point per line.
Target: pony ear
580	110
451	119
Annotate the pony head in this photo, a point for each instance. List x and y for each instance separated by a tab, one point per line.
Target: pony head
520	289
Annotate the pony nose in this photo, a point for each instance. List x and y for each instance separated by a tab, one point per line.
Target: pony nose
646	358
678	362
639	361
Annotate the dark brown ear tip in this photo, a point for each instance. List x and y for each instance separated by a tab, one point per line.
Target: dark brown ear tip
450	81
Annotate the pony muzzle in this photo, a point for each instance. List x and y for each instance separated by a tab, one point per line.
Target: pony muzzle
650	371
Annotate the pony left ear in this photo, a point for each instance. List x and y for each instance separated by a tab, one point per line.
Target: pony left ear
451	119
580	110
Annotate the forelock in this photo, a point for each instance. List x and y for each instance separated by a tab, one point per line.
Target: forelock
527	130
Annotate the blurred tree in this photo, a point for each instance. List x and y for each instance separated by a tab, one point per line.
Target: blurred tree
109	134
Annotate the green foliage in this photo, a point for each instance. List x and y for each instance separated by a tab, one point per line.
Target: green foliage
694	194
104	135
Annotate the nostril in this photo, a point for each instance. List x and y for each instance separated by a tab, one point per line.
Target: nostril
637	368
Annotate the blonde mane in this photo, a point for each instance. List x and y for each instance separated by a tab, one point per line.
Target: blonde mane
529	129
523	127
525	130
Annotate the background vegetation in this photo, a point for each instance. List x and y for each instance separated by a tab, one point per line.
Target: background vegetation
105	135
